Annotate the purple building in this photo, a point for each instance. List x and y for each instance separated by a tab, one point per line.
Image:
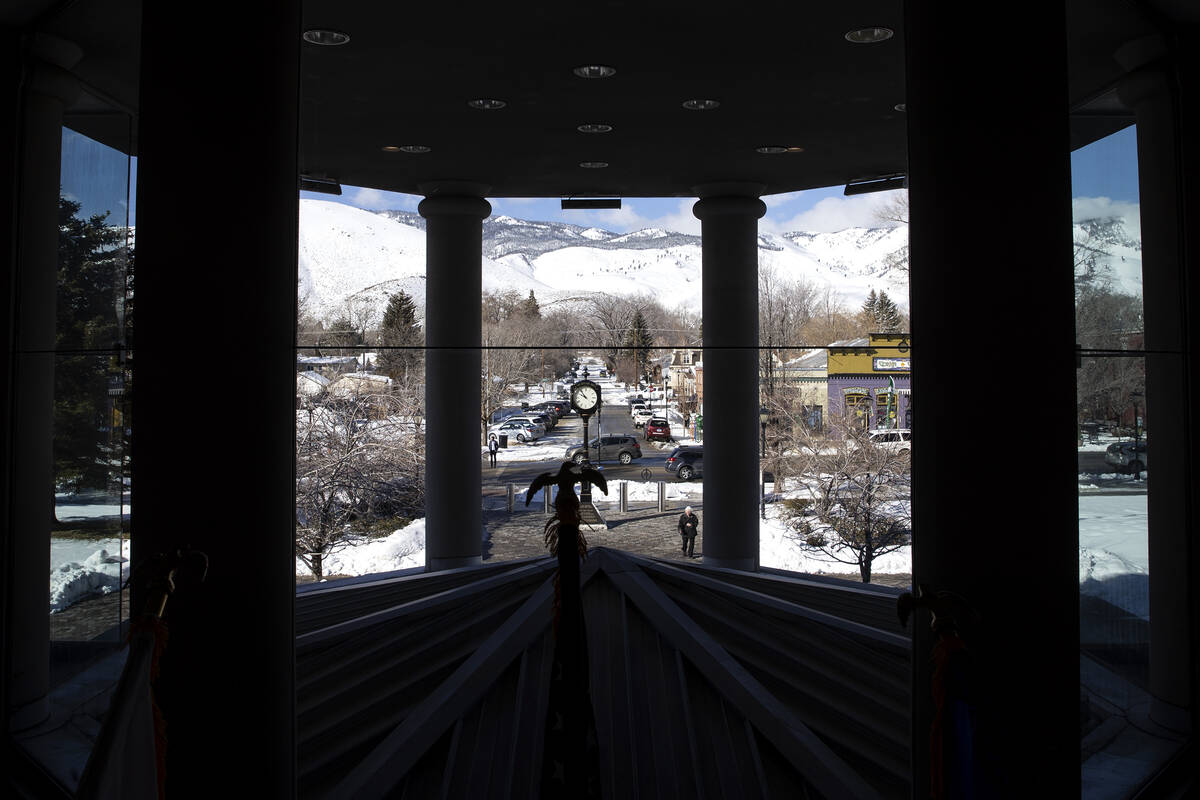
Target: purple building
870	380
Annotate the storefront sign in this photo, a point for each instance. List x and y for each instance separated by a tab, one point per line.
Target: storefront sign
855	390
892	364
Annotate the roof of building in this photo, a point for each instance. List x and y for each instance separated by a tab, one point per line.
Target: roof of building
319	360
817	358
861	341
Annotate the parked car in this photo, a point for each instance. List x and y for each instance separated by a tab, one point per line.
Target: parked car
531	422
504	412
1127	456
658	428
687	461
895	440
609	447
642	416
535	418
520	431
557	407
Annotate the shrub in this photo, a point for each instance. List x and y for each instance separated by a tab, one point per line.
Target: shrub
796	506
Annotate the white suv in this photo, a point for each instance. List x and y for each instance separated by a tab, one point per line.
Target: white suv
894	440
641	416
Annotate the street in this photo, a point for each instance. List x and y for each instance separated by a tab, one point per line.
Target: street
568	432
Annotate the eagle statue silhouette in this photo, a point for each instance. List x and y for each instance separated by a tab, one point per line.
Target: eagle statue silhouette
570	761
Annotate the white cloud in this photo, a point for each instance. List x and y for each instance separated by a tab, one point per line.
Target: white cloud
775	200
1103	207
627	218
377	199
834	214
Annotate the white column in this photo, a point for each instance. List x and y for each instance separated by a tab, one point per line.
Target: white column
453	288
729	215
49	92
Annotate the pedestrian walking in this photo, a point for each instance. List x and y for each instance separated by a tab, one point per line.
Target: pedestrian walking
493	447
689	526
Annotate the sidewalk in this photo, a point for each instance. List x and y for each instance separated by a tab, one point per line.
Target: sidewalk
644	531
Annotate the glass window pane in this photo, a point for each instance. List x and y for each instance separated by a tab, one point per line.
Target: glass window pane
1119	750
360	383
92	415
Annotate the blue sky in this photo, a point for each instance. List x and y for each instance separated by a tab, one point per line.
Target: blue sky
1104	183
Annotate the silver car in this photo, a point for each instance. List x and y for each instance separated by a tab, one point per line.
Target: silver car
521	431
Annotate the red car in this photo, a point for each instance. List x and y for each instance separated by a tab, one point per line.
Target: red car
658	428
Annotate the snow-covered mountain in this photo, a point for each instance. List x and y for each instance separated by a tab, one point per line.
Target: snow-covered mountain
351	255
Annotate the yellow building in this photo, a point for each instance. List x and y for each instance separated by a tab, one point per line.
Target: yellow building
870	380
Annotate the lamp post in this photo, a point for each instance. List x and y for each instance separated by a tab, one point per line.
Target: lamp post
1137	435
763	415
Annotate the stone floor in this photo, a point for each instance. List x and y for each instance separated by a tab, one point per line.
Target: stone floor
644	531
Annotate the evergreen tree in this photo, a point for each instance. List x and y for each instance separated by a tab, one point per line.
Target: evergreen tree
887	315
870	307
340	336
92	287
401	337
529	308
639	342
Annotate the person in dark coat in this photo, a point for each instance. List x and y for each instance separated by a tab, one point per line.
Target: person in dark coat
493	447
689	526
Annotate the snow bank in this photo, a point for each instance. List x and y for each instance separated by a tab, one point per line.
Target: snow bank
99	573
402	549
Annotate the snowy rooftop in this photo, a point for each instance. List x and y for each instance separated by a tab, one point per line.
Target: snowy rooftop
813	359
320	360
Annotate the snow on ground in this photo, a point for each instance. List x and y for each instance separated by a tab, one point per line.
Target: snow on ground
1113	553
404	548
74	575
87	506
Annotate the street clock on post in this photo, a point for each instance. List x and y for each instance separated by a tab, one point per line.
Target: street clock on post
585	398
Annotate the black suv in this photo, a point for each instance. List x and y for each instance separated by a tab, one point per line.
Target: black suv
560	407
687	461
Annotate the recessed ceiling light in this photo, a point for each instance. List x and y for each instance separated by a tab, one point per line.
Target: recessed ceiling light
869	35
486	103
405	148
593	164
701	105
900	107
594	127
595	71
326	37
771	149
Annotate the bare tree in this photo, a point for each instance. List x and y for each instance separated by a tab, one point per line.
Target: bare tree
510	352
359	461
894	212
894	209
855	504
831	319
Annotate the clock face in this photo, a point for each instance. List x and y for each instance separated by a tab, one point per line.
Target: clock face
585	397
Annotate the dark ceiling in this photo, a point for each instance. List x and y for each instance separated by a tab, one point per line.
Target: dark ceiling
785	77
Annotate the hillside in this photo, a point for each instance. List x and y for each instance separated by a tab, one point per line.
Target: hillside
347	254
